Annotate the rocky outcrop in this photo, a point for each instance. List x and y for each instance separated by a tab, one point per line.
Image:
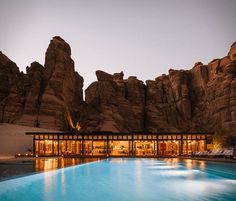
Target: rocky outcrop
11	92
33	84
232	52
44	95
62	86
200	99
115	104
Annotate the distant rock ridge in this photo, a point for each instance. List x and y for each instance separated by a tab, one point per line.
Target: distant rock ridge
200	99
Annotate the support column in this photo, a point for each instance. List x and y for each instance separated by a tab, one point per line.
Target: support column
132	144
44	146
34	146
187	145
157	152
107	141
66	147
53	151
181	145
154	151
58	145
92	145
205	142
82	145
163	147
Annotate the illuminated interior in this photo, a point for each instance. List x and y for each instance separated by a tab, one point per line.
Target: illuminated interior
118	144
119	148
144	148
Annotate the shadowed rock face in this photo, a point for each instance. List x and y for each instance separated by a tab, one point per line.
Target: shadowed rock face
11	103
200	99
117	104
43	95
62	86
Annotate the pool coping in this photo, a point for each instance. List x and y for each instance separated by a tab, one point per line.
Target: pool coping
105	157
222	160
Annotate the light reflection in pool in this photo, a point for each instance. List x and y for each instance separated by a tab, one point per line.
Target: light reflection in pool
46	164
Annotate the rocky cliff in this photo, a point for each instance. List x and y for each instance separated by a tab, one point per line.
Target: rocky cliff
200	99
43	96
118	104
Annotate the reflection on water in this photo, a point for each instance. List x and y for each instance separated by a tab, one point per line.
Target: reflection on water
191	164
125	179
202	165
172	161
46	164
22	167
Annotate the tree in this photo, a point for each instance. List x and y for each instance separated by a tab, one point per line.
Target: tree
223	139
219	138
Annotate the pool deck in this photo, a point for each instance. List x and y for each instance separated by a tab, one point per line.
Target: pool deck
223	160
227	160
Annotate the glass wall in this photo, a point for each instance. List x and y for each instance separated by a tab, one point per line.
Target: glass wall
62	150
78	145
119	148
39	147
67	147
144	148
70	147
88	147
99	148
168	148
190	146
46	147
119	145
55	149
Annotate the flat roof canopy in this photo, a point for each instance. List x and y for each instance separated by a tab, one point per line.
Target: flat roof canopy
117	133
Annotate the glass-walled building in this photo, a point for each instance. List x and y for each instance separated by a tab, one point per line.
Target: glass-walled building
106	144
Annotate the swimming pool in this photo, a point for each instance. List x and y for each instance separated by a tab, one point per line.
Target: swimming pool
126	179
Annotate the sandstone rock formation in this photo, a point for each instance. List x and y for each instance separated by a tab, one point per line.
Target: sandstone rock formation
200	99
117	104
43	95
11	103
62	86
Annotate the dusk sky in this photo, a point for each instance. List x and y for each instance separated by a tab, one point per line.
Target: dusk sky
144	38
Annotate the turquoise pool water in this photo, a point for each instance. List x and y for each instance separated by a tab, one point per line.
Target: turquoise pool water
127	180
